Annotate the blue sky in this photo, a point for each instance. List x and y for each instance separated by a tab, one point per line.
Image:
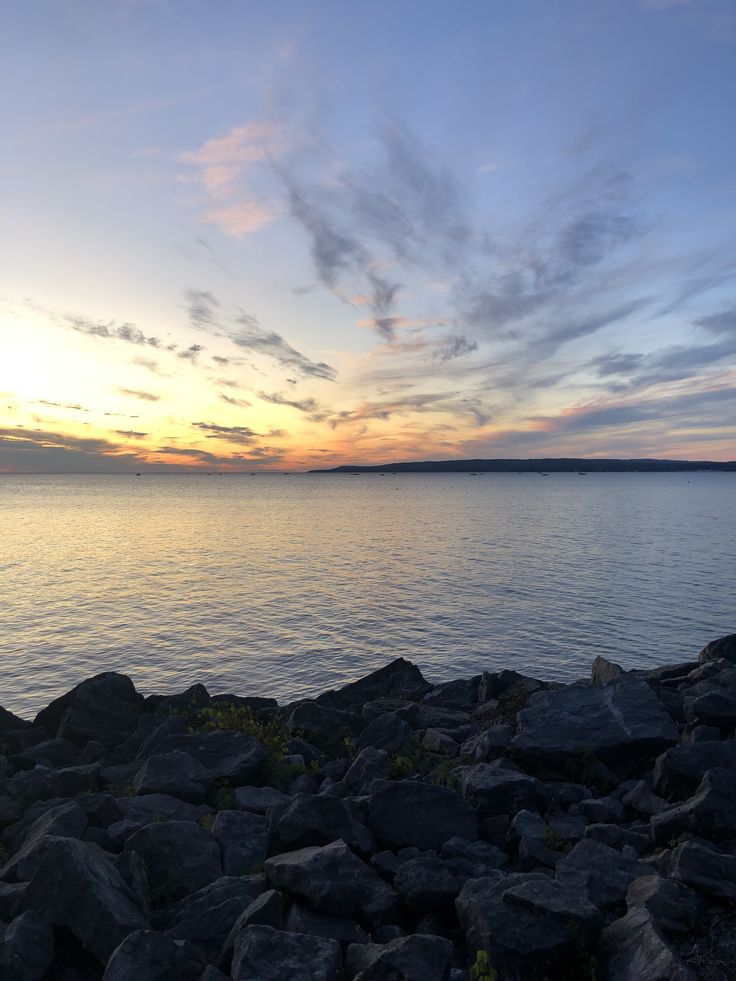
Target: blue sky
285	235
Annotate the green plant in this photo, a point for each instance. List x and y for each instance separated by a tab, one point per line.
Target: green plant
221	796
130	792
444	773
481	970
351	746
554	840
206	821
273	732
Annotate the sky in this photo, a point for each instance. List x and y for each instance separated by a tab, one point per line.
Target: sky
240	236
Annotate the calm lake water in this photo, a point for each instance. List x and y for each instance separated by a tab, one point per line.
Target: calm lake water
287	585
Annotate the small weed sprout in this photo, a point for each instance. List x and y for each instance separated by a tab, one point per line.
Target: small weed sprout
481	970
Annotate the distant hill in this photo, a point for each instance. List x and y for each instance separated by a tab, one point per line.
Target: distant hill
544	465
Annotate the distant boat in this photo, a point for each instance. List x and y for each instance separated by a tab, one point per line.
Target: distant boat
582	473
139	475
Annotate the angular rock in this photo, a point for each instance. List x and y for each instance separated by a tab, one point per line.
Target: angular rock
711	812
386	732
176	774
673	906
181	857
399	678
266	954
475	858
66	820
77	886
258	799
441	742
233	756
324	726
304	919
317	820
206	917
243	839
641	800
704	869
633	949
430	884
265	910
43	784
491	744
334	880
529	924
602	810
149	808
26	948
724	648
599	872
50	752
500	788
410	812
622	719
369	765
678	771
150	956
415	958
713	708
617	837
604	670
105	708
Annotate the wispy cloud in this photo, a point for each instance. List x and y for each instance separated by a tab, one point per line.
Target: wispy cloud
135	393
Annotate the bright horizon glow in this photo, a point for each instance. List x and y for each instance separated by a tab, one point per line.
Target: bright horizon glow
328	234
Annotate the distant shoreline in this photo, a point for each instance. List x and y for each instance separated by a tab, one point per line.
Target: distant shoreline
549	465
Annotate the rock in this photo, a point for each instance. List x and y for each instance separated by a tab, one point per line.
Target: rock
712	708
491	744
529	924
10	894
641	800
317	820
678	771
44	784
617	837
265	910
324	726
66	820
233	756
722	649
51	752
181	857
400	678
462	693
430	884
604	671
622	719
415	958
705	869
388	863
105	708
257	799
243	839
207	917
410	812
266	954
150	956
369	765
76	886
711	812
672	906
475	858
334	880
599	872
633	949
303	919
602	810
500	788
386	732
26	948
159	807
528	824
176	774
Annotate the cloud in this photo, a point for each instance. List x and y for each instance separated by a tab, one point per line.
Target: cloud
240	218
62	405
135	393
113	331
231	400
232	434
718	323
309	406
130	434
456	347
191	353
617	364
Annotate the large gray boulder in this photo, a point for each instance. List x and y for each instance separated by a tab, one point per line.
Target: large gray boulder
723	648
243	839
180	858
634	949
622	719
704	869
599	872
414	958
674	907
399	678
176	774
429	884
679	770
314	819
26	948
233	756
334	880
500	787
711	812
266	954
105	708
409	812
150	956
66	820
77	886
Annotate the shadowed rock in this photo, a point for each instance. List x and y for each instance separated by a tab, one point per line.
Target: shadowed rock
105	708
274	955
150	956
399	678
410	812
723	648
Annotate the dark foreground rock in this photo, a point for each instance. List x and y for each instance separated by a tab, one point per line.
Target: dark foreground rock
387	831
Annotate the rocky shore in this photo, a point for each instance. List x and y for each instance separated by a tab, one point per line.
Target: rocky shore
494	827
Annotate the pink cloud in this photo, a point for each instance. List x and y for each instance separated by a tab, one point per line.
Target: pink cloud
240	218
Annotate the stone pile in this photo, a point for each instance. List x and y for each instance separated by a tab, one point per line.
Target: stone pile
491	827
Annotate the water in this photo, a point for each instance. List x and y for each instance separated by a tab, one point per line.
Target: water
287	585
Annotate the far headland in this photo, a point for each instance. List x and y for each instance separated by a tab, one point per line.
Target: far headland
536	465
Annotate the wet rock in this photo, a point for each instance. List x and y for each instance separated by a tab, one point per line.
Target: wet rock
599	872
386	732
304	919
678	771
258	799
243	839
334	880
232	756
150	956
273	955
67	820
528	923
105	708
426	884
500	788
410	812
400	678
181	857
176	774
633	949
722	649
77	886
673	906
622	719
317	820
415	958
26	948
707	870
369	765
603	671
206	917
